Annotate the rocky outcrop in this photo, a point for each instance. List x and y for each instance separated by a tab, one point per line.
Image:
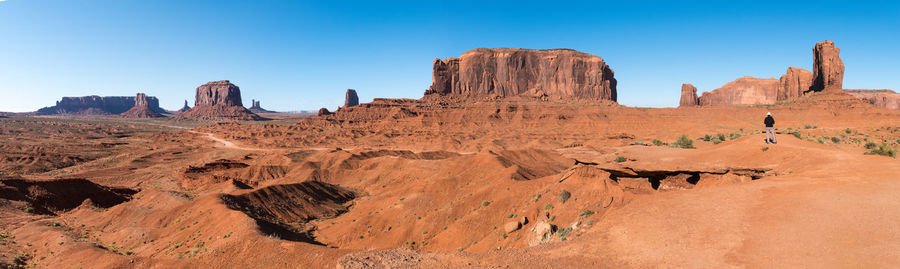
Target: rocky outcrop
882	98
184	108
350	98
141	109
688	96
256	108
743	91
219	100
828	68
507	72
97	105
324	112
220	92
793	83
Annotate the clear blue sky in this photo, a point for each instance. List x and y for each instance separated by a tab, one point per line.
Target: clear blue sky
297	55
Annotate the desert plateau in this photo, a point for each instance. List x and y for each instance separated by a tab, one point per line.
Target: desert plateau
509	158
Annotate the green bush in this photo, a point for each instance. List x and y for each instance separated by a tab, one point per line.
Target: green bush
884	150
796	134
835	140
564	196
706	138
871	145
848	131
734	136
485	203
658	142
548	207
683	142
721	137
586	213
620	159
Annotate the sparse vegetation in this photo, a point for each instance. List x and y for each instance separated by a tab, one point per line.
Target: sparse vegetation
564	196
683	142
586	213
657	142
562	233
548	207
485	203
836	140
884	150
765	148
620	159
848	131
871	145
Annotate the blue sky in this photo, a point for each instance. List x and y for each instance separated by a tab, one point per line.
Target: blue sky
303	55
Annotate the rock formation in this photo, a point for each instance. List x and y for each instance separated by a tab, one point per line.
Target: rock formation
219	100
351	99
97	105
793	83
184	108
828	69
743	91
324	112
507	72
256	108
141	109
882	98
689	96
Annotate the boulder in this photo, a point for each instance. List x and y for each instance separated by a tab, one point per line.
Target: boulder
351	99
508	72
828	68
688	96
141	109
541	232
512	226
743	91
793	83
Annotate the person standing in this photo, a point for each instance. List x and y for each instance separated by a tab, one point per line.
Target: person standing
770	128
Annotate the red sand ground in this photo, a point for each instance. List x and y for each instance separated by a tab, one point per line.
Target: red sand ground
434	183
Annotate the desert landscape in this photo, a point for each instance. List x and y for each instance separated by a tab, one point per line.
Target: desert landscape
549	135
513	158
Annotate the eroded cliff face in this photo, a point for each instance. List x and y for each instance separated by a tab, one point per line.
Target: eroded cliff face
828	68
507	72
743	91
141	109
882	98
793	83
350	98
219	100
97	105
688	96
220	92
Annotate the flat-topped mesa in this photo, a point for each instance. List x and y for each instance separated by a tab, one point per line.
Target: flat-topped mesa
688	96
828	68
219	100
507	72
793	83
96	105
350	98
743	91
220	92
141	109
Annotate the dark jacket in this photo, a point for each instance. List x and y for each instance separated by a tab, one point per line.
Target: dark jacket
770	122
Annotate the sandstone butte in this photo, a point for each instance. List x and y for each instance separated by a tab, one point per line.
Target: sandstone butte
688	96
219	100
828	73
256	108
184	108
141	109
882	98
350	98
508	72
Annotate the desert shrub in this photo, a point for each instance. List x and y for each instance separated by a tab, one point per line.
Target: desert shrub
586	213
683	142
848	131
706	138
657	142
796	134
563	233
884	150
765	148
564	196
485	203
871	145
734	136
639	143
821	140
721	137
548	207
716	140
835	140
620	159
